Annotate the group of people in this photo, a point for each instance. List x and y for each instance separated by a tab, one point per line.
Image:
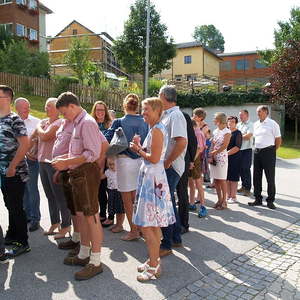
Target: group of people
168	152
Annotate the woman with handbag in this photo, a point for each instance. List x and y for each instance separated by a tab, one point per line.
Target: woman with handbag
128	162
218	158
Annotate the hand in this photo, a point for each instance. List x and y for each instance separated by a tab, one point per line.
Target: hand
192	165
60	164
137	139
167	164
11	171
213	153
134	147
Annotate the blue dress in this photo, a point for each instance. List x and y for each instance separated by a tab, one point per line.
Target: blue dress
153	205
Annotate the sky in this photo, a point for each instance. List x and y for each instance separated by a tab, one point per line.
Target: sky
245	25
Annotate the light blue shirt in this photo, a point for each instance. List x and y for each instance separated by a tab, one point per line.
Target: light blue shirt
245	128
175	123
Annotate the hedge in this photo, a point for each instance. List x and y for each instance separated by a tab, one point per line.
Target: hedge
209	98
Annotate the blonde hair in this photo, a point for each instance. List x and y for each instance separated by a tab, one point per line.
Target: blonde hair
107	118
155	103
131	102
221	117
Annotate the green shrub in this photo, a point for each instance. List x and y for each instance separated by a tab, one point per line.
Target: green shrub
209	98
62	84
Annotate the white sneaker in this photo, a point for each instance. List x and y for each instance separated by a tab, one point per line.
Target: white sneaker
231	201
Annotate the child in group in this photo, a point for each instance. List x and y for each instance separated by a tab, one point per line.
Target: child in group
195	176
115	203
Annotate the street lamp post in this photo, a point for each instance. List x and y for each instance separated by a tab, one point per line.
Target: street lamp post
147	52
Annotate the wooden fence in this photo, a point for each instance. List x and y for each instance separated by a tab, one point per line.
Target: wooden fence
43	87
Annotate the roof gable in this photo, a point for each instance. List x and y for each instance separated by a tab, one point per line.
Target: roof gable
74	22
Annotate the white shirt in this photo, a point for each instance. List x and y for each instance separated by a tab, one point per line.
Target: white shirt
31	123
175	123
111	179
245	128
265	133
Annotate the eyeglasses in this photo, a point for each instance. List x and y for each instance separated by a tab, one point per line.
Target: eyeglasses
100	110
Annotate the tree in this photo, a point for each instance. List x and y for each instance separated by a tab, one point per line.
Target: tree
5	37
78	57
285	81
130	47
209	36
287	31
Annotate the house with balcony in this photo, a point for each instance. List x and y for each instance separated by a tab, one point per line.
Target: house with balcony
100	49
26	19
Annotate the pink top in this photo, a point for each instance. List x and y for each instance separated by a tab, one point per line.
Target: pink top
45	147
86	138
63	137
200	137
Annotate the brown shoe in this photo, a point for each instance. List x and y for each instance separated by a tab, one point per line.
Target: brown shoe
165	252
241	190
177	245
68	245
74	252
89	271
76	261
247	193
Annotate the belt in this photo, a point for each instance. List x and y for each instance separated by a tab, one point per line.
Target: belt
266	148
122	155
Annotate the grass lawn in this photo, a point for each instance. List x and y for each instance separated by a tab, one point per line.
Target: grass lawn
289	151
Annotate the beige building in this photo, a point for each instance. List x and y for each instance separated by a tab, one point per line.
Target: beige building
100	49
192	62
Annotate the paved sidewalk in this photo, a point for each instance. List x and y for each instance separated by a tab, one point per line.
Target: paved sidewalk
269	271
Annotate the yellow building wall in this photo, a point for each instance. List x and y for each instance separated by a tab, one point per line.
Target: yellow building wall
211	65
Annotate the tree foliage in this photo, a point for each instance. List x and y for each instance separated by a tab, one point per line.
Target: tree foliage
5	37
17	58
209	36
287	31
130	47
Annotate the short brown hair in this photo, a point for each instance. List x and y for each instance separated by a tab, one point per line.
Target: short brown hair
155	103
199	112
233	118
131	102
8	91
67	98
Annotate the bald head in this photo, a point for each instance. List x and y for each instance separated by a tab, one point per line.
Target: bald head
22	107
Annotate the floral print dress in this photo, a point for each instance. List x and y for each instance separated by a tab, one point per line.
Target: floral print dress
153	205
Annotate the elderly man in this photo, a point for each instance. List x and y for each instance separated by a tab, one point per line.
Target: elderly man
13	172
175	123
267	141
32	195
246	128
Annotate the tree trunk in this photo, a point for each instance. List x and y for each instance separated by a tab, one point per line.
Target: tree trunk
296	131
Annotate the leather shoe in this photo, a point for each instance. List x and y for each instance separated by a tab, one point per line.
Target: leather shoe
34	226
164	252
271	205
184	230
255	203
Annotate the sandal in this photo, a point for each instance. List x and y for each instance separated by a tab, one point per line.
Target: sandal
130	237
116	229
51	230
218	204
107	223
62	233
146	275
145	265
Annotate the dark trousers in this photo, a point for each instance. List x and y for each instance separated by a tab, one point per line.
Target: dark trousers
102	196
264	160
172	233
183	199
13	192
246	162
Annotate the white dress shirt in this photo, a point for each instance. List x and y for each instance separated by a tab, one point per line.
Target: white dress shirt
31	123
265	133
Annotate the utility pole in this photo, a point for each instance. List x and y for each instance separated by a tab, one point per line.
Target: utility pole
147	52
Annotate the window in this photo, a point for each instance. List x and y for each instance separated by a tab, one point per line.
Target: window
23	2
178	77
32	34
188	59
7	27
242	64
32	4
190	77
5	1
259	64
225	66
20	30
74	31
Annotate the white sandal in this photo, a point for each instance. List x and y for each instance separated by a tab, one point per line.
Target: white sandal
146	275
145	265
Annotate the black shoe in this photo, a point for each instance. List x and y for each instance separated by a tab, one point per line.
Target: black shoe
9	241
255	203
34	226
18	249
184	230
4	258
271	205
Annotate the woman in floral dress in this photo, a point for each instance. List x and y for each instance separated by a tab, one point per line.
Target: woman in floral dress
219	158
153	206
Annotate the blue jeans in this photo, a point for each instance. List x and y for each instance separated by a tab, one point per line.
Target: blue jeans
172	233
32	195
245	168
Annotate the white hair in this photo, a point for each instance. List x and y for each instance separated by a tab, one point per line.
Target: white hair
20	99
51	100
